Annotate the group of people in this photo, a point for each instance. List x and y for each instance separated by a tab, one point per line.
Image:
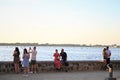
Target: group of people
25	61
60	59
106	57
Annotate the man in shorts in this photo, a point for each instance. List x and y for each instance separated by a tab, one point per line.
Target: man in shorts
33	60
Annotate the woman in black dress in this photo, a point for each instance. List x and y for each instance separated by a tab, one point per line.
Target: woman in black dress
16	59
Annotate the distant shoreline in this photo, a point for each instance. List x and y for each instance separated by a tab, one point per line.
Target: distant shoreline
47	44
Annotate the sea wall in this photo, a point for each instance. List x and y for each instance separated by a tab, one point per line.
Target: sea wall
48	66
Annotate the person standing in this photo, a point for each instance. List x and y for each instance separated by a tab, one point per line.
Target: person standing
108	54
63	57
33	60
16	59
29	51
25	63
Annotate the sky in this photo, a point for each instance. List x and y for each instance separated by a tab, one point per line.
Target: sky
60	21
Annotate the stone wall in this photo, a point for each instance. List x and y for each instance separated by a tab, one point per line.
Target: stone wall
48	66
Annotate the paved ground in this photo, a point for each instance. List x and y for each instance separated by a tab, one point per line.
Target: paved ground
99	75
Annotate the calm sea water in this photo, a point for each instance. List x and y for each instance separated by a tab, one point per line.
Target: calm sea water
45	53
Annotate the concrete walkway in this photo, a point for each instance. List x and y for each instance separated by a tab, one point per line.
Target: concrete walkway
99	75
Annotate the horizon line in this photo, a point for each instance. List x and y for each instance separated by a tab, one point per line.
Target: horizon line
60	44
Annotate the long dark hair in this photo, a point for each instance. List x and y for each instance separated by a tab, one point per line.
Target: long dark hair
25	51
17	50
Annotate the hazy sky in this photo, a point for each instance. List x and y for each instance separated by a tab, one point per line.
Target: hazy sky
60	21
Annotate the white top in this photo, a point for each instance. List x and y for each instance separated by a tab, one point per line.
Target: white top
34	53
108	52
30	51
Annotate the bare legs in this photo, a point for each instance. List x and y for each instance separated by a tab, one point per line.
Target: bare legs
26	70
16	68
33	68
105	64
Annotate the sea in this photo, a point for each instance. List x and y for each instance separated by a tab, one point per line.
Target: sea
45	53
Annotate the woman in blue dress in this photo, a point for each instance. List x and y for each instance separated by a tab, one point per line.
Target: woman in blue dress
26	57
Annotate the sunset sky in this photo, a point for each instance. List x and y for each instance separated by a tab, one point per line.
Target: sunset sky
60	21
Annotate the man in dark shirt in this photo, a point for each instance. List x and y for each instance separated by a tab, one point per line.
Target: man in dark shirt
63	57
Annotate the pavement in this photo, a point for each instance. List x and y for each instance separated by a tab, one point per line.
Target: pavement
98	75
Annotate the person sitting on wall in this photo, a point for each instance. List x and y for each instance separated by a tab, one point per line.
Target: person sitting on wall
104	58
64	60
57	62
63	57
